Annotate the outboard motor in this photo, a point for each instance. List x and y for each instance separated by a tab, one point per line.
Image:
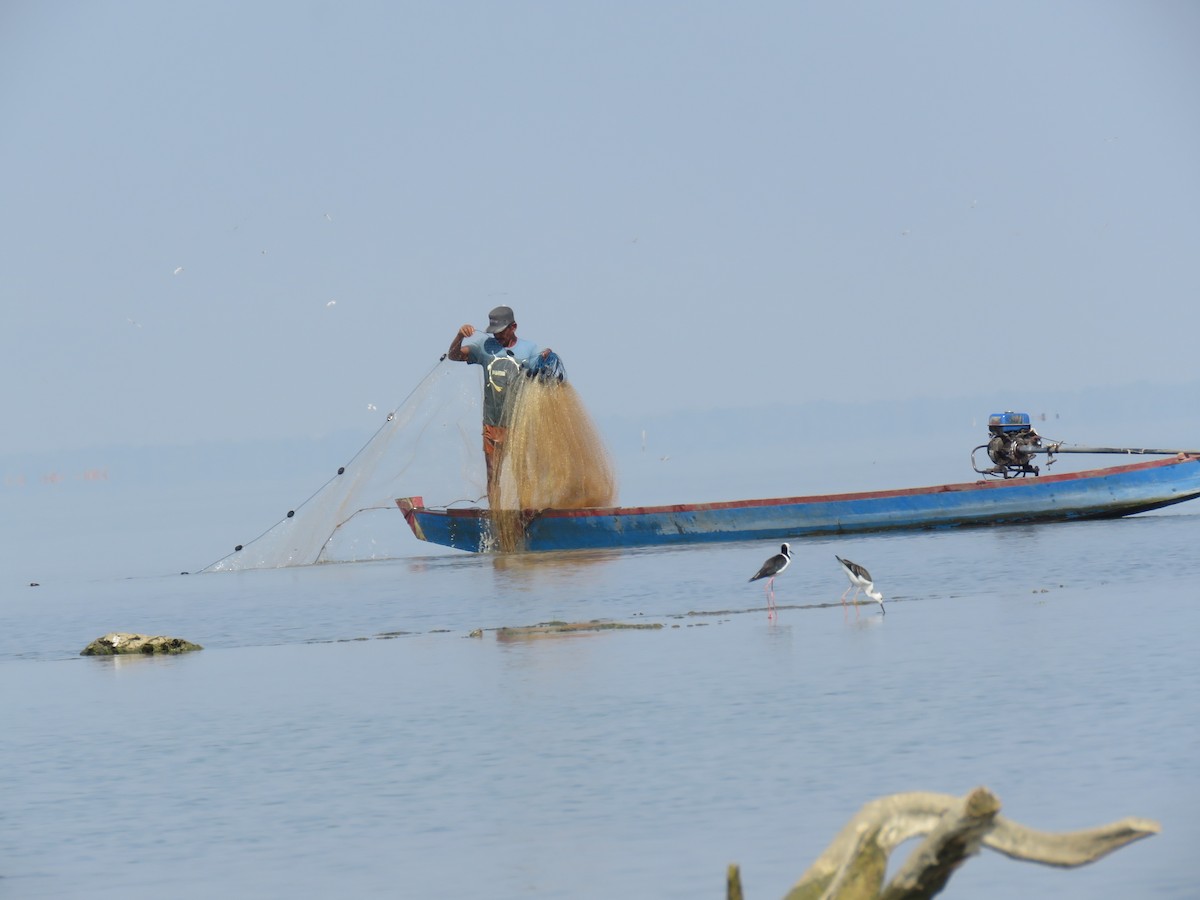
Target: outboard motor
1014	443
1011	446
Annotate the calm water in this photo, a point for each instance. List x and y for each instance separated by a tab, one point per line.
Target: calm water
342	734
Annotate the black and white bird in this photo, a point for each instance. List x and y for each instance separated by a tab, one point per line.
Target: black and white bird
860	580
772	567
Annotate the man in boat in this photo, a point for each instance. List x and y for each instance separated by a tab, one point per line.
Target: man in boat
504	357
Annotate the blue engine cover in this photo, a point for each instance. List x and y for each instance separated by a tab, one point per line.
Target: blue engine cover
1008	422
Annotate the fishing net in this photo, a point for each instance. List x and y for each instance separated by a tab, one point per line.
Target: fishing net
428	446
552	458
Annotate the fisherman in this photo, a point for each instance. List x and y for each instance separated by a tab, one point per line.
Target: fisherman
504	357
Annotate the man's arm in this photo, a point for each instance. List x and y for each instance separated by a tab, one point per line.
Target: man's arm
456	352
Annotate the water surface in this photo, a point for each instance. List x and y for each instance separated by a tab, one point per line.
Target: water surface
343	733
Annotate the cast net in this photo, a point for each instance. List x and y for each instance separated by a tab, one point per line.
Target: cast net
553	458
429	445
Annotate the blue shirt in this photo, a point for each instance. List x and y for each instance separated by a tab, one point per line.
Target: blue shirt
501	367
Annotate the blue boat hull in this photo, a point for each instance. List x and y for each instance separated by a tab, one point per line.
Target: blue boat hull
1097	493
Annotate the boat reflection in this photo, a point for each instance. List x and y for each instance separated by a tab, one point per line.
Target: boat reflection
553	566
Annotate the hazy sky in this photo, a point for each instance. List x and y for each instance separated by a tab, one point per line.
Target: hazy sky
240	220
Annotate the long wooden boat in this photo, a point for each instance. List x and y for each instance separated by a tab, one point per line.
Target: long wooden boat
1091	494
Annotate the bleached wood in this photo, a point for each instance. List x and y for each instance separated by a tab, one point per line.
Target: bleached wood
854	864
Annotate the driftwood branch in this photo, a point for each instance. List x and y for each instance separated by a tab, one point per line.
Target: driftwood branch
1068	849
955	837
854	865
733	883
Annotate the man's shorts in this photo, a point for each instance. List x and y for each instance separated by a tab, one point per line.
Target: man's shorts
493	437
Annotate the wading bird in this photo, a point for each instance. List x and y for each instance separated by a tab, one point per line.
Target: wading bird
860	580
769	570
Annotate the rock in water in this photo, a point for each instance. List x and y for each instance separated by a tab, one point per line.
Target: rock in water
122	642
